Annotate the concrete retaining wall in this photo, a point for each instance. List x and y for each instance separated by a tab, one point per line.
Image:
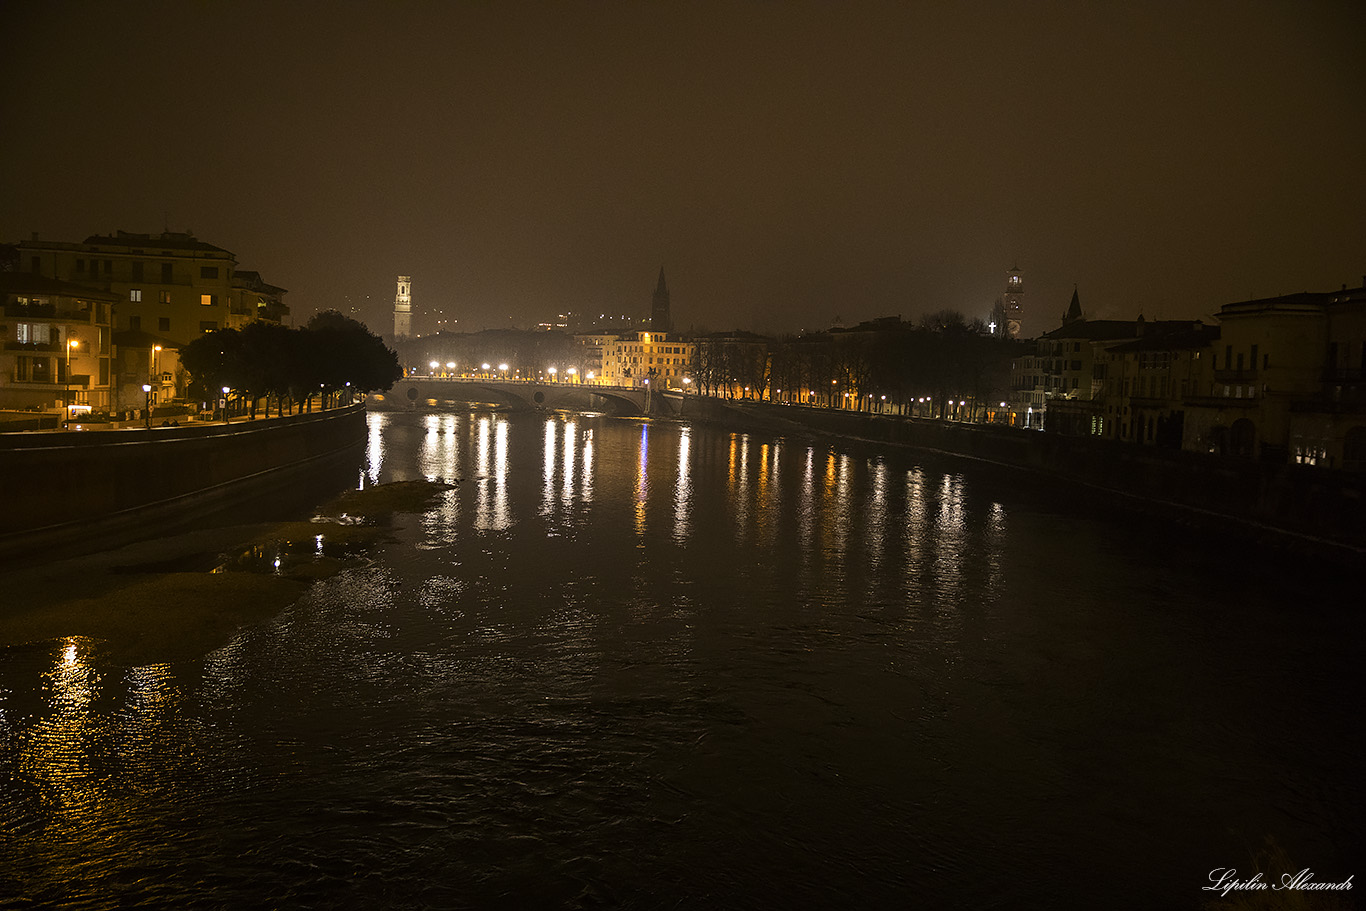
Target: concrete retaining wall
1304	500
61	483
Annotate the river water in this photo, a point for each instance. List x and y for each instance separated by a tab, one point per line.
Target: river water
654	665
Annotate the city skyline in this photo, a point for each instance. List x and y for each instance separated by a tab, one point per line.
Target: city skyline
788	166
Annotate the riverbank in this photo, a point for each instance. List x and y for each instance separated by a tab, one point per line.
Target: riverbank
73	491
1307	507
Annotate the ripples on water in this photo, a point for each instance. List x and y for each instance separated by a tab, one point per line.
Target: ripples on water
668	666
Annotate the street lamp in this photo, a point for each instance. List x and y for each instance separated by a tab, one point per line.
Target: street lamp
552	374
450	367
147	411
573	375
503	368
433	365
66	398
225	404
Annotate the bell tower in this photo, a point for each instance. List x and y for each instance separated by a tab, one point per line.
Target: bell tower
659	307
1011	300
403	308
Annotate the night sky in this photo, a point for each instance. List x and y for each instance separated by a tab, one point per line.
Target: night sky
785	163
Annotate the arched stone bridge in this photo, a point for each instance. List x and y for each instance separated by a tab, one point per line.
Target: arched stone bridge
418	392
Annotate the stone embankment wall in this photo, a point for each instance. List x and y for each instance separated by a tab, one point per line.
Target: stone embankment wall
62	484
1315	503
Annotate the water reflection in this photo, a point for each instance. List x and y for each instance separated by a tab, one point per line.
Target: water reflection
440	453
59	753
642	478
510	707
374	447
491	454
683	486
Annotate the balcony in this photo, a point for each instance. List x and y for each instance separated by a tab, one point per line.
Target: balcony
1345	376
47	312
33	347
1245	375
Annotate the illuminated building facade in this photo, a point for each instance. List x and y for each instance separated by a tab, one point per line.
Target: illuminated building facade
57	340
646	358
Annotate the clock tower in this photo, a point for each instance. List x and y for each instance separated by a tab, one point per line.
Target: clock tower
1011	300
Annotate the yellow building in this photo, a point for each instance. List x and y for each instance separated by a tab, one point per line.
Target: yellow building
169	289
646	358
1287	381
56	345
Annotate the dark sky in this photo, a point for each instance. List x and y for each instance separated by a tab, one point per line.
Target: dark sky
785	163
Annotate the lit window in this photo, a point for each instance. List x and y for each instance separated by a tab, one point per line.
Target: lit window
208	300
135	295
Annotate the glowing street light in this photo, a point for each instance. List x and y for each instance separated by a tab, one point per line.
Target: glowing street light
433	365
552	374
147	412
66	398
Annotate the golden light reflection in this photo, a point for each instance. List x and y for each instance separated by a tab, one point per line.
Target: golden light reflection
374	447
586	469
59	754
875	515
683	486
642	479
571	448
765	511
806	517
548	468
491	460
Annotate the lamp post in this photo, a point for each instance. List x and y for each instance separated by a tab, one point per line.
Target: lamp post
503	369
552	372
485	368
224	403
573	374
687	381
71	343
147	411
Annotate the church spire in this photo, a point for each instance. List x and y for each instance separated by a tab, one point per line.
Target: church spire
1073	309
659	308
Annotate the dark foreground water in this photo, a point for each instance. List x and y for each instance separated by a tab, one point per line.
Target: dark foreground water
659	666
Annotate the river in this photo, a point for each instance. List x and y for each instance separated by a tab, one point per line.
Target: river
659	665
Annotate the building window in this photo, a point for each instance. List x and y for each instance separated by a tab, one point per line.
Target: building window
165	297
137	270
166	273
80	265
208	300
208	271
135	295
163	324
134	322
208	325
